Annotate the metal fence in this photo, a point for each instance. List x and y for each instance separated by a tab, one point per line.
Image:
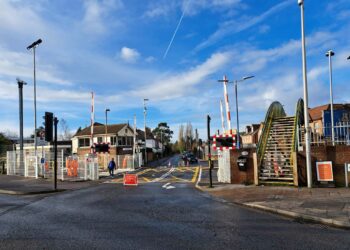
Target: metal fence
68	167
323	135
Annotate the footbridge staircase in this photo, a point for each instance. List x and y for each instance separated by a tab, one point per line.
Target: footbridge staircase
277	147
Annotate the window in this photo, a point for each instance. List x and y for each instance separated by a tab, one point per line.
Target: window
125	141
99	140
113	140
84	142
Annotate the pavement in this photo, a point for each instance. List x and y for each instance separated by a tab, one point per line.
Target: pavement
330	206
18	185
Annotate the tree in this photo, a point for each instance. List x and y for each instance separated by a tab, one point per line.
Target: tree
163	133
181	141
65	133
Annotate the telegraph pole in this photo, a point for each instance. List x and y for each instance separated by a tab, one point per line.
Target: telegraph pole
144	114
209	154
55	122
20	92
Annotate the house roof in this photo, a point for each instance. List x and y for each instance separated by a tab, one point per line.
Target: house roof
141	134
316	112
99	129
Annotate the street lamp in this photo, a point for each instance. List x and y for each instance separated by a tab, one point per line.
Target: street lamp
348	58
33	47
306	111
329	54
236	83
107	110
144	115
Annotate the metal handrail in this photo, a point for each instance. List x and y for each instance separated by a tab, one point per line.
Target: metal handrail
275	111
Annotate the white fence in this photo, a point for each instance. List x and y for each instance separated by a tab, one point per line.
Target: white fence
323	135
68	167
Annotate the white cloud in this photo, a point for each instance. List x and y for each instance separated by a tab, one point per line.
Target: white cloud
96	12
129	55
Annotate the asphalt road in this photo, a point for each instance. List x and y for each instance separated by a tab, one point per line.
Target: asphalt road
151	216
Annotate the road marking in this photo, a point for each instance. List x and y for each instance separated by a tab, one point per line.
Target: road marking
164	175
177	178
146	179
195	175
199	176
165	185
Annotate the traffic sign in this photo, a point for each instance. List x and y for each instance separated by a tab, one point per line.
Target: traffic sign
130	180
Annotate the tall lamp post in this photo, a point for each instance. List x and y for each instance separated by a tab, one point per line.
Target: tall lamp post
236	83
106	111
306	111
144	115
33	47
329	54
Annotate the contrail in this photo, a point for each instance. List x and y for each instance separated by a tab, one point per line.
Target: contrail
172	39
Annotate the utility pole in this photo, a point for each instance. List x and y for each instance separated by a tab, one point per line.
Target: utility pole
144	114
209	153
306	102
20	92
106	131
55	122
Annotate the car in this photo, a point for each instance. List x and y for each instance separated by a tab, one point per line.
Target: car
191	158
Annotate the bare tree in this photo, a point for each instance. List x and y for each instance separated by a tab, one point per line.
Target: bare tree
65	133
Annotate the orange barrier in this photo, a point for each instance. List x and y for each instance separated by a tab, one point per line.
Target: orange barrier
72	167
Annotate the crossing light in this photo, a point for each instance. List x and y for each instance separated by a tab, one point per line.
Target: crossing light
48	126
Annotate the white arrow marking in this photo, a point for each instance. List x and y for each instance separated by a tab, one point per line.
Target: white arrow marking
165	185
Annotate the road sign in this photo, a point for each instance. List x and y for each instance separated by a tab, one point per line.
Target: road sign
324	171
42	160
348	167
130	180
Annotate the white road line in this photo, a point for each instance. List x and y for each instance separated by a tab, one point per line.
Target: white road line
164	175
199	175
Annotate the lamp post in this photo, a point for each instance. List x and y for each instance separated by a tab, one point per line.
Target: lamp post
348	58
329	54
106	111
144	115
236	83
33	47
306	111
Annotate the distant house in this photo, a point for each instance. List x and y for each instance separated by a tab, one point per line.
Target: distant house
251	135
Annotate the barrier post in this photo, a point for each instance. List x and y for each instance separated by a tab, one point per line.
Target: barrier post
62	166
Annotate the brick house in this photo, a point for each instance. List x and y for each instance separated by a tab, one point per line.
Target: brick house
119	136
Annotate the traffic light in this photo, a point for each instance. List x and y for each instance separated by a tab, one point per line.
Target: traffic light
48	126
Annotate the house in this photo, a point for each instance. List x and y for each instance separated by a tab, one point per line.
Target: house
320	117
251	135
154	147
119	136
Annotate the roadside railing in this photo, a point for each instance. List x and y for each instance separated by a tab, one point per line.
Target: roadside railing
323	135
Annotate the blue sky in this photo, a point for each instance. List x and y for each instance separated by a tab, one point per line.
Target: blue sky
116	48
